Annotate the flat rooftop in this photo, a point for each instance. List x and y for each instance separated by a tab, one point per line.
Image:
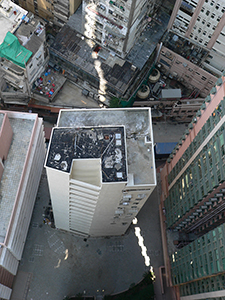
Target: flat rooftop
11	16
105	143
22	130
84	54
138	133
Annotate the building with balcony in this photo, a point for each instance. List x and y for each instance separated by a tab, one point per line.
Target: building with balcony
57	11
63	10
100	169
193	49
23	53
22	152
193	191
116	25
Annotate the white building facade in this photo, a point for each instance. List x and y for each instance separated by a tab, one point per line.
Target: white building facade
22	152
100	169
116	25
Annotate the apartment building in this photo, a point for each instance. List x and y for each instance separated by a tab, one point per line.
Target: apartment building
43	9
23	53
22	152
57	11
193	49
193	188
100	169
63	10
116	25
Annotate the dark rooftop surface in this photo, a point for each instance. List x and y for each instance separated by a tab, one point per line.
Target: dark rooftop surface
185	47
78	51
107	143
148	40
145	44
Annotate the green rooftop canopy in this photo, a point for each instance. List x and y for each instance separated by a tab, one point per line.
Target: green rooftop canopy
13	51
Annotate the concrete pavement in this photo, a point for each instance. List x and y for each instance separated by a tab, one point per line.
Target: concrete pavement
62	264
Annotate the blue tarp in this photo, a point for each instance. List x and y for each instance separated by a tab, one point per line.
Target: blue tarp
164	148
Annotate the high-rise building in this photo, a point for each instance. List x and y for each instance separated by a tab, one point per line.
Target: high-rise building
116	25
22	153
100	169
193	49
57	11
193	190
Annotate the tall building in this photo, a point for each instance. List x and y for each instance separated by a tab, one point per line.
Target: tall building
42	8
193	189
57	11
22	152
100	169
116	25
193	49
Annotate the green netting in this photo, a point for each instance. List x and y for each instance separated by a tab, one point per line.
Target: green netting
13	51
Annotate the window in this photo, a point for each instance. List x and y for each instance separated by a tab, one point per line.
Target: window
207	13
209	24
204	32
212	16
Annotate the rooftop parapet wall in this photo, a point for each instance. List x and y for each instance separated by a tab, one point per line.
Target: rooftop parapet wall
6	135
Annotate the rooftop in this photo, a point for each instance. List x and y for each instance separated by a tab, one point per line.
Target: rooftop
105	143
11	16
13	165
184	47
145	44
31	34
76	50
138	133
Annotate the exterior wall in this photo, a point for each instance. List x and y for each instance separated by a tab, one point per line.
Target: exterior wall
103	223
202	259
43	8
58	183
24	204
64	9
36	65
12	248
5	292
8	262
74	4
193	185
113	25
185	71
6	135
